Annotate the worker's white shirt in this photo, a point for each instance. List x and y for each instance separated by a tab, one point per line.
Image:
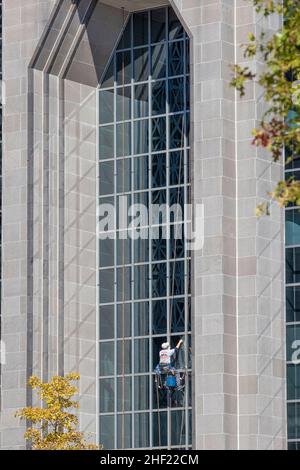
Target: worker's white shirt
165	356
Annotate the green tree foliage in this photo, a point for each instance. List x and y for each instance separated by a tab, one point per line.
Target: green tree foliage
279	129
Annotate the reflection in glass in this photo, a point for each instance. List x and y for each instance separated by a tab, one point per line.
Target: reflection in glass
176	30
141	392
123	353
141	136
106	142
123	103
141	64
141	101
159	170
158	25
141	284
106	178
106	280
141	318
107	432
141	426
176	95
158	98
123	60
140	28
124	393
107	358
159	134
106	105
158	61
124	251
177	130
293	304
107	322
176	63
124	320
141	355
292	265
176	168
141	178
159	317
124	431
123	284
123	175
107	400
123	139
159	280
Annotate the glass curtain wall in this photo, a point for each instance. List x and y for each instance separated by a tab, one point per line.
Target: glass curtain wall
144	284
292	240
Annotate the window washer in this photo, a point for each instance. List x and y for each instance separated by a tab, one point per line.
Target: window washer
166	355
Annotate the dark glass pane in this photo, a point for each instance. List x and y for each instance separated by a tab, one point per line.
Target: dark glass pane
106	103
141	282
141	427
159	249
124	175
123	139
176	95
159	170
123	67
159	317
124	402
123	103
140	29
177	241
141	101
141	318
177	130
141	392
124	251
176	30
158	25
159	98
292	227
124	320
292	265
179	357
158	134
292	342
178	428
124	284
141	175
124	357
293	382
107	322
160	429
107	357
156	347
293	419
159	197
159	280
176	199
141	136
125	41
107	257
176	278
158	61
292	304
108	80
106	137
106	286
107	395
141	64
141	250
106	180
107	432
124	431
177	315
176	63
176	166
160	396
141	355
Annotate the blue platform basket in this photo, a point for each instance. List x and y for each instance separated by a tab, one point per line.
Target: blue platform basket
171	381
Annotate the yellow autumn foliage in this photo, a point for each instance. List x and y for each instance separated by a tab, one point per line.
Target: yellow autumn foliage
54	426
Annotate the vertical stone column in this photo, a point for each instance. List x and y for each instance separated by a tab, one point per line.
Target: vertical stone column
23	23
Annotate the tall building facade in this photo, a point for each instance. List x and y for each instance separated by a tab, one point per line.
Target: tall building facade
111	103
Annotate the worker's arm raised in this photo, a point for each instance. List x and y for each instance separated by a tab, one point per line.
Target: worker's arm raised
179	344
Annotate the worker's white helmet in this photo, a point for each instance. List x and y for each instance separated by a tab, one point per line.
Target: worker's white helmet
165	346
